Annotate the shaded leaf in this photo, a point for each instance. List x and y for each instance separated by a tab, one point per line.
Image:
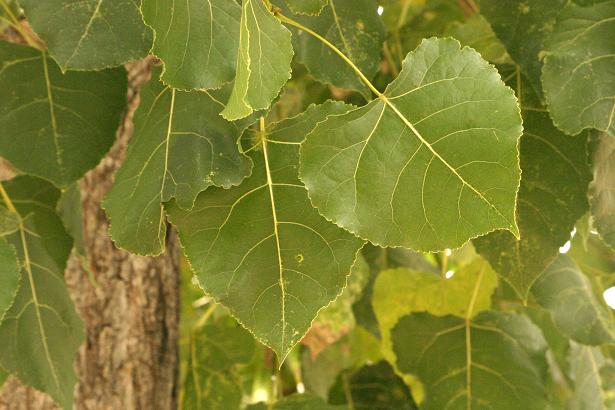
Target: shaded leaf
552	197
578	74
263	61
181	146
353	27
64	124
602	189
297	402
421	167
90	34
522	26
590	389
478	34
212	379
9	276
260	249
197	40
577	313
306	6
495	360
69	210
9	223
41	332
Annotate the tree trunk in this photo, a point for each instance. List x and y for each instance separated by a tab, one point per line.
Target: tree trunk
129	305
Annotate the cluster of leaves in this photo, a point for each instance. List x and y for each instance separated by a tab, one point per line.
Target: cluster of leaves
491	131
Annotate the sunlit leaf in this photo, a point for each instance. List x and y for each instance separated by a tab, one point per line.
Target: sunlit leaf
197	40
260	249
41	332
56	126
422	167
90	34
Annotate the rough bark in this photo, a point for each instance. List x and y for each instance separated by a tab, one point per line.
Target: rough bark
129	305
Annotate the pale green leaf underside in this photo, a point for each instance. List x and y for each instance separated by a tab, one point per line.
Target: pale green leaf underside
354	27
9	275
552	197
56	126
263	61
578	76
399	292
41	332
431	164
586	365
260	249
196	39
567	294
181	146
90	34
9	222
492	362
602	190
310	7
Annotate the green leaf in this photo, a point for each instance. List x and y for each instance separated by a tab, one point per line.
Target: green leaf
398	292
311	7
422	167
263	61
181	147
522	26
493	361
353	27
9	276
9	223
90	34
41	332
297	402
374	386
478	34
3	376
602	189
578	70
590	392
197	40
260	249
212	380
59	125
577	313
552	197
69	210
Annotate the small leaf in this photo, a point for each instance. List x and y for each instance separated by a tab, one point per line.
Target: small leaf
197	40
522	26
263	61
212	378
552	197
260	249
181	147
602	189
312	7
9	276
478	34
493	361
578	70
41	332
58	125
354	27
577	313
422	167
69	210
90	34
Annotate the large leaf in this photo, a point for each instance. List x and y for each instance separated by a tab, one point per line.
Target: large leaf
197	40
493	361
9	276
552	197
602	189
260	249
263	61
41	332
590	389
578	73
56	126
565	291
422	167
90	34
306	6
353	27
522	26
181	146
212	379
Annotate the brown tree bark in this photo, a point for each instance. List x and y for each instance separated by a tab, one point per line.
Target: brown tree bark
129	305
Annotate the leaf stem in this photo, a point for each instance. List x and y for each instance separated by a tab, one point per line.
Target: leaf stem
7	199
205	317
336	50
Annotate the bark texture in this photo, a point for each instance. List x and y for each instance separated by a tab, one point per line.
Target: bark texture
129	305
